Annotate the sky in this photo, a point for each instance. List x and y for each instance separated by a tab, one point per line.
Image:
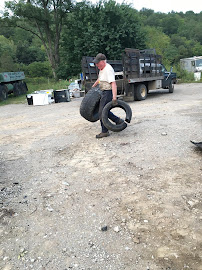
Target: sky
164	6
169	5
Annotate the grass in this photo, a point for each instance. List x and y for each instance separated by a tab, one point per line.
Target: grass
36	84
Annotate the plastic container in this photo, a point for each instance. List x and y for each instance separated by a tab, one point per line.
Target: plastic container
61	95
197	76
76	94
29	99
40	99
74	86
49	92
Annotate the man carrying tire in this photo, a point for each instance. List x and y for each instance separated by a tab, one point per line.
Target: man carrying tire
107	84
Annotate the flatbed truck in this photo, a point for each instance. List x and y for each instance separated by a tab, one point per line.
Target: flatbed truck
136	74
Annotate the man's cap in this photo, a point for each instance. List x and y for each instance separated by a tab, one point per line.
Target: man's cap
99	58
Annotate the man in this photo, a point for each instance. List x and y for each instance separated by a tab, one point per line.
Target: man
107	84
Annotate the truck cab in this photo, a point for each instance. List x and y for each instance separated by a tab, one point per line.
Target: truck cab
171	74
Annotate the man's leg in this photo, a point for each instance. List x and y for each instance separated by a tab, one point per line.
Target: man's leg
106	97
103	101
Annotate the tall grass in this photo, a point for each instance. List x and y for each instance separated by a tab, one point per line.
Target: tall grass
40	83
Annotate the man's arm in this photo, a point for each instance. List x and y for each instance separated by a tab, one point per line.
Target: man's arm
114	90
96	83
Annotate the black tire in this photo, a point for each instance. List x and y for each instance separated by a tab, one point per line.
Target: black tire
113	127
20	88
140	92
16	89
171	86
90	105
3	92
24	88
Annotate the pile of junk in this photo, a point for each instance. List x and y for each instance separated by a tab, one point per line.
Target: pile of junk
45	97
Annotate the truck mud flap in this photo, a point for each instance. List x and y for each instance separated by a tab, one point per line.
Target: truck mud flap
90	105
111	126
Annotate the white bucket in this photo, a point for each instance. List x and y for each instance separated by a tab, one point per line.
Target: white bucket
197	76
76	94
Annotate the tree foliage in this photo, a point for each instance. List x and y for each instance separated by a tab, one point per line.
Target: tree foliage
37	69
7	54
156	38
44	19
106	27
61	32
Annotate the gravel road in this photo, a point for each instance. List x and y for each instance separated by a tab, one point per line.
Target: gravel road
131	201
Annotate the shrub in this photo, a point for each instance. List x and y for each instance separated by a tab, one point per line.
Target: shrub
39	69
184	75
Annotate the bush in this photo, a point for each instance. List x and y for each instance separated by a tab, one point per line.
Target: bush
38	69
183	75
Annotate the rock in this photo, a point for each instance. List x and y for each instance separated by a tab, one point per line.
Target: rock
49	209
192	203
136	240
116	229
104	229
163	133
65	183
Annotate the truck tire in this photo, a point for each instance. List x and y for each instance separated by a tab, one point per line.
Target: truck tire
171	86
140	92
90	105
24	88
16	89
113	127
3	92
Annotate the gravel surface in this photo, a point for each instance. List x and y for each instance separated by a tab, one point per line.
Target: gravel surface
131	201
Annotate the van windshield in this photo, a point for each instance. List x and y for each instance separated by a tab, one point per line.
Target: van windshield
199	63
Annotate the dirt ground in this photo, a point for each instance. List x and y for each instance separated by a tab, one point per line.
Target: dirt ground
131	201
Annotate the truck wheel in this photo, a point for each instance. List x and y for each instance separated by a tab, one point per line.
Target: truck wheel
16	89
24	88
140	92
3	92
90	105
171	86
111	126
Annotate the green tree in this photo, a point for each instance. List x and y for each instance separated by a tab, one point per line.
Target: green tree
154	19
7	55
106	27
197	49
44	19
171	24
6	63
171	54
155	38
37	69
27	54
8	46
